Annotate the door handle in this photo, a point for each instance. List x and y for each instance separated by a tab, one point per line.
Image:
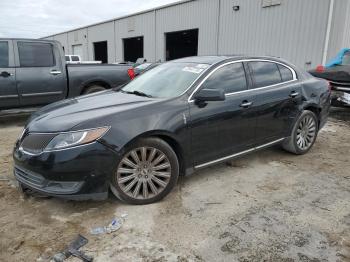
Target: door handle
293	94
5	74
55	72
246	104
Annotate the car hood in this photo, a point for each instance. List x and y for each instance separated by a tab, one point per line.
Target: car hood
65	115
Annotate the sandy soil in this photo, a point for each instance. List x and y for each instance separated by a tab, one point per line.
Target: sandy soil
268	206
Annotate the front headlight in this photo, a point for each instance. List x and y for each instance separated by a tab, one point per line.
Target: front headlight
75	138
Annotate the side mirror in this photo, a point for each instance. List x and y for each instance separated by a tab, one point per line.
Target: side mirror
205	95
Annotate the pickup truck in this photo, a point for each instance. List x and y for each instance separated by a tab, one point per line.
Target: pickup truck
35	73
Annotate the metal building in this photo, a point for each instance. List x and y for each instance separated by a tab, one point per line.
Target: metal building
305	32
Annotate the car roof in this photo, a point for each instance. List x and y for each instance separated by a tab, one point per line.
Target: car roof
217	59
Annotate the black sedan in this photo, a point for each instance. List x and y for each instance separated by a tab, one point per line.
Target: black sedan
177	118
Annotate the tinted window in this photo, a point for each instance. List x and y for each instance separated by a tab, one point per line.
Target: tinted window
4	54
265	73
35	54
75	58
230	78
286	74
67	58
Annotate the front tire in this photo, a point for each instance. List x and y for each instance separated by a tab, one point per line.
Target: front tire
146	173
93	89
303	135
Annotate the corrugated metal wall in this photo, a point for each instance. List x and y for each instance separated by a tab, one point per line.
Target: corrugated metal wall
295	30
346	37
338	30
133	26
98	33
76	38
202	14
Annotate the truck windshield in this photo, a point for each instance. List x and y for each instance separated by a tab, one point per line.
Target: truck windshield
167	80
346	58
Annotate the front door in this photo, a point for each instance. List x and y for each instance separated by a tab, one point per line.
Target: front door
278	96
8	90
41	78
220	129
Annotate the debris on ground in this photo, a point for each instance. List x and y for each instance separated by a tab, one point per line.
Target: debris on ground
73	250
115	225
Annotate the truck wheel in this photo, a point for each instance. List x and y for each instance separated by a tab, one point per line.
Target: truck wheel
146	172
93	89
303	135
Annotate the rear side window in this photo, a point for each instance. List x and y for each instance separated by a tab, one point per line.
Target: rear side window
286	74
265	73
35	54
75	58
230	78
4	54
67	58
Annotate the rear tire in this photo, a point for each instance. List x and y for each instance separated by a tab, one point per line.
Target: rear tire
303	135
146	173
93	89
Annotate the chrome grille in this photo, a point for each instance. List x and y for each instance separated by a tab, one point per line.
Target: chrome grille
36	143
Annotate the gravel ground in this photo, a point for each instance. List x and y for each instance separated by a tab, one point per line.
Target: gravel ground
268	206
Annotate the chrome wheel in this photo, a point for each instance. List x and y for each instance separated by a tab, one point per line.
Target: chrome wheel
143	173
306	132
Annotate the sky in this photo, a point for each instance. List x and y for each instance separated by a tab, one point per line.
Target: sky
39	18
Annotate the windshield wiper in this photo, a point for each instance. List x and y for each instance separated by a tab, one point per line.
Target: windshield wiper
138	93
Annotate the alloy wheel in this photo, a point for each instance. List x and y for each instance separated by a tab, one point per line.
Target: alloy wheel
306	132
143	173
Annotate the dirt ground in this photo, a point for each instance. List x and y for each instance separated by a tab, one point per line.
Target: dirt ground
268	206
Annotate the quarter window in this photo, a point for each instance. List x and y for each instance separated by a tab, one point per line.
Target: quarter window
286	74
4	54
265	73
230	78
35	54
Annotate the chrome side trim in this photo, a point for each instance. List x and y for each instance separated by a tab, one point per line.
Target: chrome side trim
42	94
9	96
269	144
190	100
238	154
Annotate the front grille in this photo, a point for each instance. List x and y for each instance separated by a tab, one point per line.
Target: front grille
36	143
29	177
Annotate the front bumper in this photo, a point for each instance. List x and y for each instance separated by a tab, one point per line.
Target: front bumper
77	173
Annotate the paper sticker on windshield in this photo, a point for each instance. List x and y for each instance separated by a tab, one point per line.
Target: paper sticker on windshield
192	70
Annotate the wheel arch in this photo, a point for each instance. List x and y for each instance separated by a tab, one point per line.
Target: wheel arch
315	109
98	82
170	139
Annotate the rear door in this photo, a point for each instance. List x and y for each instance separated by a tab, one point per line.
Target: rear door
220	129
278	96
41	78
8	90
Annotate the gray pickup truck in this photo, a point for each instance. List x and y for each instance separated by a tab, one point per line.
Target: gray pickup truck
34	73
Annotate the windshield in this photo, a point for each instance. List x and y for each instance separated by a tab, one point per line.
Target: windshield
167	80
346	59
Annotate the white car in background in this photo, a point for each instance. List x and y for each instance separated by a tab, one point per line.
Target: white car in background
76	59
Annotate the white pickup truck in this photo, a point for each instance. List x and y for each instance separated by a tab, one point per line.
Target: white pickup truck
76	59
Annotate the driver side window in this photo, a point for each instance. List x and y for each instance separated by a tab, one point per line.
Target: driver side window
230	78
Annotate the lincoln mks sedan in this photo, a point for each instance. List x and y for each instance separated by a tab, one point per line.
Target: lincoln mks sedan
184	115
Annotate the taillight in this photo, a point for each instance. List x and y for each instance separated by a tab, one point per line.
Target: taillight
131	73
320	68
